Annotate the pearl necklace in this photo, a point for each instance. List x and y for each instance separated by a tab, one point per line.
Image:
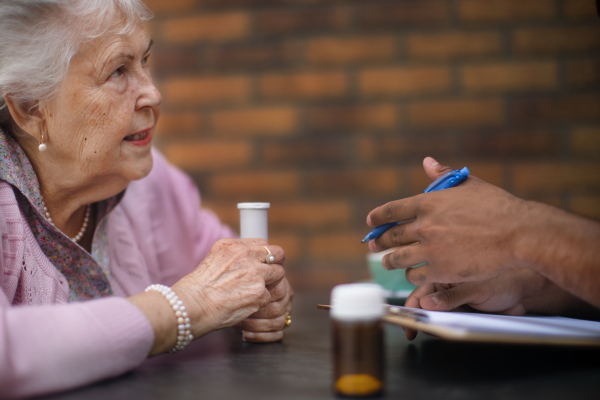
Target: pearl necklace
86	219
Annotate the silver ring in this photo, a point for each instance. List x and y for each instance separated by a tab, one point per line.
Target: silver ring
270	257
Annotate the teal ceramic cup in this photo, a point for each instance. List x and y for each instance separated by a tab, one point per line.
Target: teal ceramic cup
394	282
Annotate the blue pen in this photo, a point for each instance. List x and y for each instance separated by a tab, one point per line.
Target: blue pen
448	180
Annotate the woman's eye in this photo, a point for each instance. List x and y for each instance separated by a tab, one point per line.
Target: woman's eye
145	60
117	73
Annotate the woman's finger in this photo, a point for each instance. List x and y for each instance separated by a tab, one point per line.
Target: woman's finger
277	308
263	337
261	253
263	324
279	291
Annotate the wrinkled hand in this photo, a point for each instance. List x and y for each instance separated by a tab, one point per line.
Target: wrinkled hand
465	233
232	283
267	324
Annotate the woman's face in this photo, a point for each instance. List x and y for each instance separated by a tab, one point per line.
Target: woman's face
101	122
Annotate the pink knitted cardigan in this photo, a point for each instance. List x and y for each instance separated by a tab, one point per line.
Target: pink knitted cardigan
157	234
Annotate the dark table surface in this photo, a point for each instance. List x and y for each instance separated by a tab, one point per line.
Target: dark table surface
221	366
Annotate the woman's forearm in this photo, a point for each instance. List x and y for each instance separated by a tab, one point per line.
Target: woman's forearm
50	348
161	317
564	248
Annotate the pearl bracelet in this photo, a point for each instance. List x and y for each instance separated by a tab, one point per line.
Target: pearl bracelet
184	335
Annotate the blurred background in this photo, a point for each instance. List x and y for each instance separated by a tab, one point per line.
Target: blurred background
326	108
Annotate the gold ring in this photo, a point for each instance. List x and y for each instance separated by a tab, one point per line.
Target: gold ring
270	257
288	320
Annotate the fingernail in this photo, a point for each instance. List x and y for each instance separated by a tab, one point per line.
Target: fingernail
248	335
431	162
369	220
432	301
372	246
383	263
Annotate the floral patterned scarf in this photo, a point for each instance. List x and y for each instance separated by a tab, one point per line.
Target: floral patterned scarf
86	273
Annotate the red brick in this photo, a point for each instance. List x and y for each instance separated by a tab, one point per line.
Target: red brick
506	10
556	177
310	215
508	145
276	121
343	246
511	77
172	61
207	90
404	81
301	21
390	149
165	7
580	9
246	57
290	243
551	110
350	50
585	141
178	123
322	279
225	209
583	73
355	183
457	113
382	116
450	45
209	155
587	206
206	28
552	40
405	13
490	172
245	3
255	186
304	85
306	152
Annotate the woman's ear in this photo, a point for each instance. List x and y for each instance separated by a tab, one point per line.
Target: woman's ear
27	117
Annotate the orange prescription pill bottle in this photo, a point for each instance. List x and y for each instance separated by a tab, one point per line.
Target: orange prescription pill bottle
357	333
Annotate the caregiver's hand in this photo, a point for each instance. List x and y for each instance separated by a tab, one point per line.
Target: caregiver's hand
268	323
233	282
513	292
464	233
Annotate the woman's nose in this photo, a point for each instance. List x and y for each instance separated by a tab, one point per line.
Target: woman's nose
149	95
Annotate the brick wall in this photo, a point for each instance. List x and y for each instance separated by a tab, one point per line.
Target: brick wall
326	108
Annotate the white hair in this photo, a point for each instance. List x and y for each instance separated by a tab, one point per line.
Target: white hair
38	39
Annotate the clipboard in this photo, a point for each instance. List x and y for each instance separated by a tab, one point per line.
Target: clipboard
491	328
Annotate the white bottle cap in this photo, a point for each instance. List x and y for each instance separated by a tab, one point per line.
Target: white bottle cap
357	301
253	220
254	206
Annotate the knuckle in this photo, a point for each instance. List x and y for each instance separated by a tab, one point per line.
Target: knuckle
400	256
388	211
447	296
275	309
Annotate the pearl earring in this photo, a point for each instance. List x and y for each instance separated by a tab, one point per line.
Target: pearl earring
42	146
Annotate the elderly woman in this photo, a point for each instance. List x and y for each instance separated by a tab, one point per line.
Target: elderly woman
91	215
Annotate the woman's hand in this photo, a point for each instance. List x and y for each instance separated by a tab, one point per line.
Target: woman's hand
232	283
267	324
464	233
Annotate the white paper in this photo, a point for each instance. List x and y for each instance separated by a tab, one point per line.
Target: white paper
504	324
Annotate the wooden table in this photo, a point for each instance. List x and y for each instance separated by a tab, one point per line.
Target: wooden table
221	366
